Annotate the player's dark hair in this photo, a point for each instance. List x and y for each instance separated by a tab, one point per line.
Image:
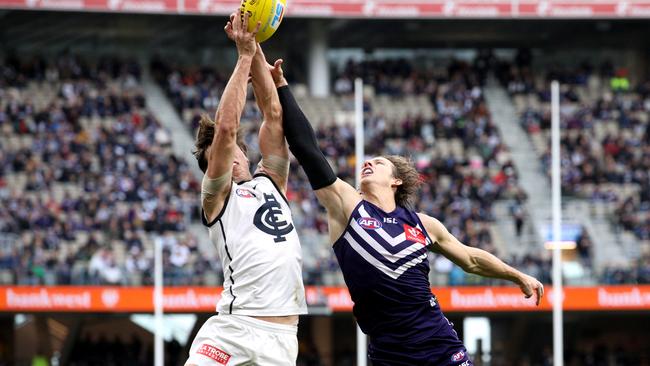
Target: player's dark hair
404	170
204	138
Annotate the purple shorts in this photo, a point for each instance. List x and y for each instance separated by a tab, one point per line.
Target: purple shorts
408	356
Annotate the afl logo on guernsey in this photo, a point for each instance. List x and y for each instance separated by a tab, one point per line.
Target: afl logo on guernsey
245	193
458	356
270	219
369	223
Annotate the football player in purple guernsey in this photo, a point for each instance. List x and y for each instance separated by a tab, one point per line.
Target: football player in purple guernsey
381	245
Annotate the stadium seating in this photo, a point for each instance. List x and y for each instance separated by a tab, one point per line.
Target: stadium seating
437	117
605	139
87	180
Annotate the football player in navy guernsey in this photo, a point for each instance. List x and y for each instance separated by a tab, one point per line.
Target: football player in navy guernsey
381	245
249	222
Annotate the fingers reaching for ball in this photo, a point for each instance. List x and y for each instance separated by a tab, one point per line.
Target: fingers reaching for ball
269	13
237	30
277	73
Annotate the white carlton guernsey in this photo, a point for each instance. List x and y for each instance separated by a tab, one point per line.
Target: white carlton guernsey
260	252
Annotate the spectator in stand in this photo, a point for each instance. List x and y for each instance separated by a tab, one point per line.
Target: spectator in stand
594	162
81	176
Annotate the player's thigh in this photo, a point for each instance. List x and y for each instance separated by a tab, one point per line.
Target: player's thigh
221	341
279	350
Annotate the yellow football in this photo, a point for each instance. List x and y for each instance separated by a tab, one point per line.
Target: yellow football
268	12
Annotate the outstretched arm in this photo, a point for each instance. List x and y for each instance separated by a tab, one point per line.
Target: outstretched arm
477	261
275	154
218	176
338	197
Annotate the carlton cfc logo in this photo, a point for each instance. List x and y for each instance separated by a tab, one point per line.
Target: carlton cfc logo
369	223
269	218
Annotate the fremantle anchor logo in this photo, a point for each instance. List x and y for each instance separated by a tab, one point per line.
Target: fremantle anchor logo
270	220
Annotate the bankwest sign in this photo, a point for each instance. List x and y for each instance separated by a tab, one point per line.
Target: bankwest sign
337	299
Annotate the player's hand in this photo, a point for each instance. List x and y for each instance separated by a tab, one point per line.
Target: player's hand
277	73
228	27
531	286
237	30
276	69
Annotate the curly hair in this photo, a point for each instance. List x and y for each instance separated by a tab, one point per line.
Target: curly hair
404	170
204	137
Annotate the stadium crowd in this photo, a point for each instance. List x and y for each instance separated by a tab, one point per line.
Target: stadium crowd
87	180
606	136
605	143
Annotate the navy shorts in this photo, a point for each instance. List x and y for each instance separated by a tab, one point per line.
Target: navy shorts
411	356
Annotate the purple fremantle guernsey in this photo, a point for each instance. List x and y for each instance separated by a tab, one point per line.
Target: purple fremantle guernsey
383	257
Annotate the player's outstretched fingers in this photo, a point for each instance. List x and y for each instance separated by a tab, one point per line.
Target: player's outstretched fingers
228	29
257	28
247	16
277	65
540	293
276	70
236	23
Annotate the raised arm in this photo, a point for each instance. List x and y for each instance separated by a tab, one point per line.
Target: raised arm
338	197
477	261
218	176
275	154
